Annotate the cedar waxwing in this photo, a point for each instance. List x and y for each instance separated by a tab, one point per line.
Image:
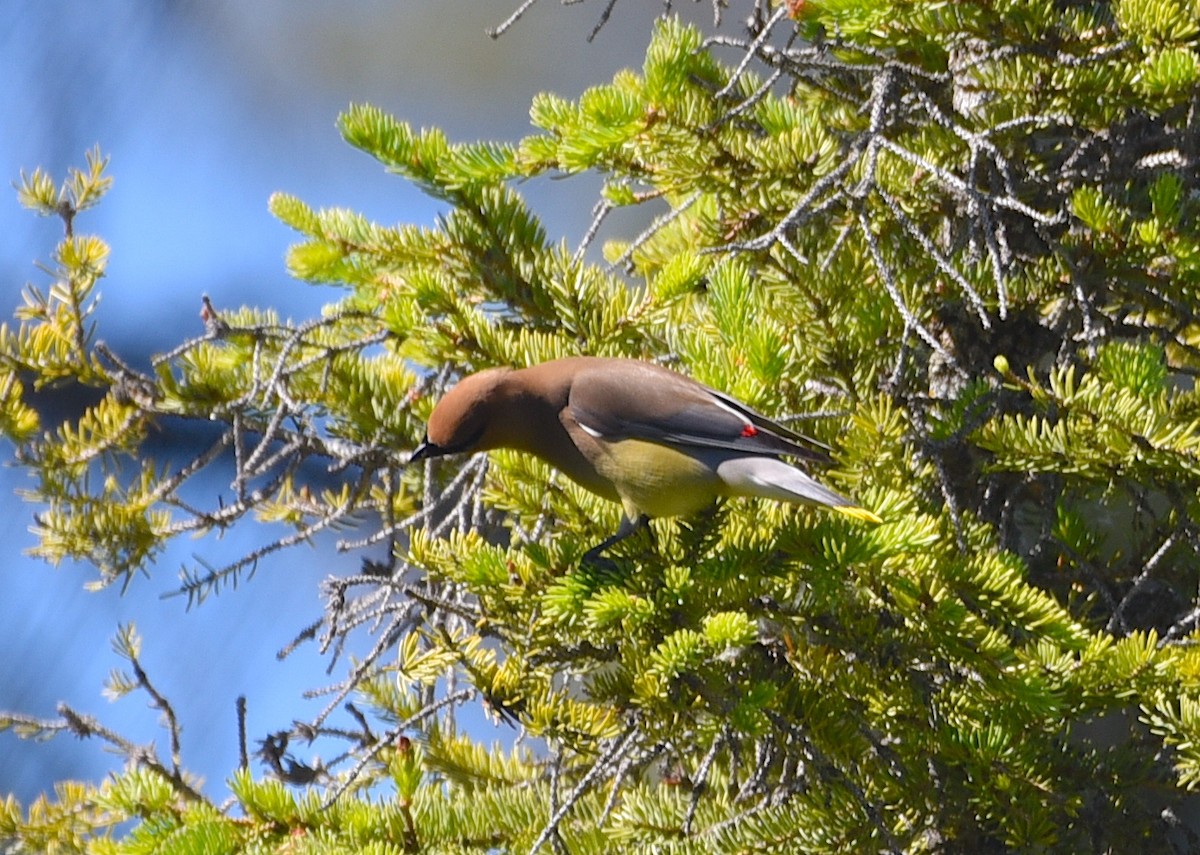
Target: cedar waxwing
659	443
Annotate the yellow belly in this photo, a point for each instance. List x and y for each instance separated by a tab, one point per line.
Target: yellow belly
656	480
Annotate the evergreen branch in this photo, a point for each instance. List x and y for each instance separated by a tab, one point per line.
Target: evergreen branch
1116	622
341	620
196	587
839	242
715	831
939	259
473	617
700	780
129	384
765	753
327	351
243	755
801	210
363	669
389	738
473	470
1181	627
556	757
953	182
308	633
600	212
604	15
616	749
748	103
991	237
630	761
752	51
257	462
85	726
658	224
893	290
168	486
127	647
502	27
226	515
827	768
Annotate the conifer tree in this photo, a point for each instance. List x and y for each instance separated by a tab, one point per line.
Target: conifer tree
957	242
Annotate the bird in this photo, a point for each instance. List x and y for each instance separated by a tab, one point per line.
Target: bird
634	432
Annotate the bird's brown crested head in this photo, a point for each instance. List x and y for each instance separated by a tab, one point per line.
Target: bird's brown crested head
460	420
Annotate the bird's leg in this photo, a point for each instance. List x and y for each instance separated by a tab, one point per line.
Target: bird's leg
627	528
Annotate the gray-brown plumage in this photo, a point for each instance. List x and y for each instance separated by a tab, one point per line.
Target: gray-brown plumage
654	440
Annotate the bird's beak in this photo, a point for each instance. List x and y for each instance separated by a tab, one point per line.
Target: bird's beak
425	450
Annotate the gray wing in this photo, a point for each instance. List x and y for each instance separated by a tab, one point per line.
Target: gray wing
619	399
